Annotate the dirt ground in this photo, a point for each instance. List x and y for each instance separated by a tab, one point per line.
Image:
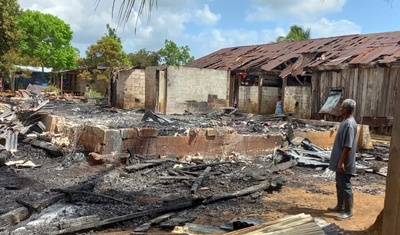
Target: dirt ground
305	189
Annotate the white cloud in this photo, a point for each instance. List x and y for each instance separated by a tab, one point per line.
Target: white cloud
326	28
88	21
289	9
219	38
205	16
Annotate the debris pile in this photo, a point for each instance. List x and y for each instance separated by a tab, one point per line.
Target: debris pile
84	191
20	121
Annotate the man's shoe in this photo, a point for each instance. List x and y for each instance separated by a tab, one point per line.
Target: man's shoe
344	216
336	209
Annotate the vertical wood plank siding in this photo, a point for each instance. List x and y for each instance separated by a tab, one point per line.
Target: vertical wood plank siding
372	88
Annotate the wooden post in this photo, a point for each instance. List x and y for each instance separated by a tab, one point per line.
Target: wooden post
284	84
61	85
391	211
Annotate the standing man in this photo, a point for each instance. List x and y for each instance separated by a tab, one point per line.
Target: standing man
343	160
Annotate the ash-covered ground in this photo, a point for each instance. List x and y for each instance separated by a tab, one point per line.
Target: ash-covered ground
100	113
148	188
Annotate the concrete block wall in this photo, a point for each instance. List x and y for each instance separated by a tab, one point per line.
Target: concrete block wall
207	142
248	99
131	89
300	94
189	88
269	98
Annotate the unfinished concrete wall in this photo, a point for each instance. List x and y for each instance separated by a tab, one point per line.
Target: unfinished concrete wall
190	88
269	98
248	99
325	139
206	142
298	101
130	89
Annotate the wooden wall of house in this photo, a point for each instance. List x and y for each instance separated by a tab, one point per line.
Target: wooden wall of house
373	89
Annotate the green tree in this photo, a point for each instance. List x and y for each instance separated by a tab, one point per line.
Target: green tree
112	33
144	58
48	38
107	52
171	54
9	33
296	33
100	57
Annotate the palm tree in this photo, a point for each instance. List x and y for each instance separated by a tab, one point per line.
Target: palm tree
296	33
127	5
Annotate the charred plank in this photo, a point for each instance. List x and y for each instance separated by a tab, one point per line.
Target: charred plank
199	180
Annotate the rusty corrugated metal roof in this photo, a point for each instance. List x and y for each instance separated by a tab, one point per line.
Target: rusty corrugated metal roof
293	57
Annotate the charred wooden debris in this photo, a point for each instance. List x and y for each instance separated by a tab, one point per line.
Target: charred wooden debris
20	122
302	152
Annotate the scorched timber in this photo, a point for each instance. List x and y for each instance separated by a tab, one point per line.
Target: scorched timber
92	194
199	180
38	206
250	190
202	166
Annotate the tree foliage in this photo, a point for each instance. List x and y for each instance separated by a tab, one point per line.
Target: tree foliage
144	58
9	33
107	52
296	33
48	38
171	54
112	33
103	55
126	7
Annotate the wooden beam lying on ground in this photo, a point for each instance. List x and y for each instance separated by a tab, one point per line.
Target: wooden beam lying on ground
12	218
253	189
201	166
92	194
146	226
199	180
38	206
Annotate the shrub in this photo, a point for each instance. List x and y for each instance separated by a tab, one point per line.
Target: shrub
93	94
52	88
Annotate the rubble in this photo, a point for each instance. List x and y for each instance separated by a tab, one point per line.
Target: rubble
76	190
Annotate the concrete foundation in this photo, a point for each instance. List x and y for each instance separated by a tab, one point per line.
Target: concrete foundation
202	141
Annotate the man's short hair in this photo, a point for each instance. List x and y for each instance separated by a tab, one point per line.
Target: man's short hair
349	105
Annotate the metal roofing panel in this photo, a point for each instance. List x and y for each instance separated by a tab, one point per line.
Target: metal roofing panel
331	103
354	49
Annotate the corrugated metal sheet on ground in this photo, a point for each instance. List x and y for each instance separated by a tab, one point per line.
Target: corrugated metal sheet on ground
292	225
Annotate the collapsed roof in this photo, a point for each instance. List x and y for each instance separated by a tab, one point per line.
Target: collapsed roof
301	57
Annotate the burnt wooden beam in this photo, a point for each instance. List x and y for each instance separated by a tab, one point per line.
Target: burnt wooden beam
250	190
146	226
53	150
176	177
81	223
92	194
187	203
38	206
12	218
140	166
281	166
197	183
202	166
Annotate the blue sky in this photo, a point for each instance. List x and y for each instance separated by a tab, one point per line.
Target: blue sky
209	25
